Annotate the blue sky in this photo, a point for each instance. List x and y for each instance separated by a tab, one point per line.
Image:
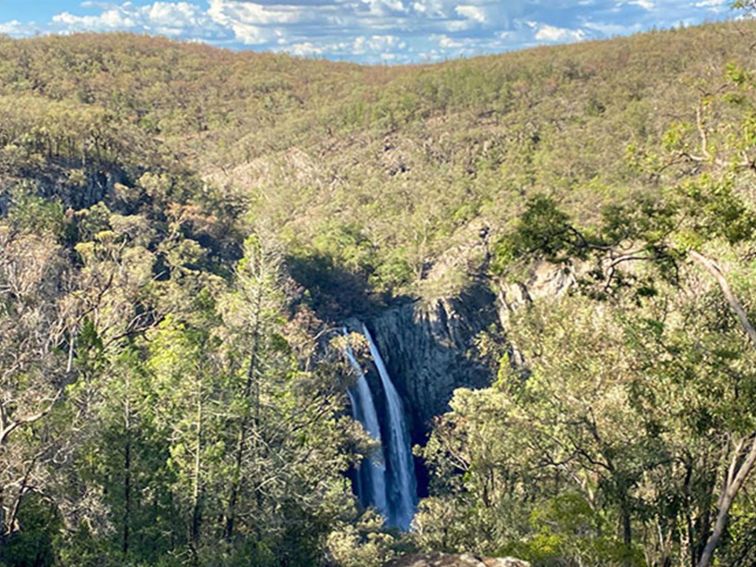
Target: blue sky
368	31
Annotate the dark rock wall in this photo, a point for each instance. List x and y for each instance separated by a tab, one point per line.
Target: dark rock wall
429	347
429	350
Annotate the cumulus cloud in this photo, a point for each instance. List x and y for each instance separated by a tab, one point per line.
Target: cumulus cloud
14	27
174	19
474	13
306	49
382	43
545	32
714	5
374	30
645	4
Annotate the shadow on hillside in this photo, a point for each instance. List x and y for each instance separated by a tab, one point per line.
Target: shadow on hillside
333	292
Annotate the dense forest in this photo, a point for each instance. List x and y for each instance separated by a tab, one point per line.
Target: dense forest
184	231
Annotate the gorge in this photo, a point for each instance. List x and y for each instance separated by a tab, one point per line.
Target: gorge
420	353
266	311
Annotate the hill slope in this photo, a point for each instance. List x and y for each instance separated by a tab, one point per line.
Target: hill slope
185	231
379	169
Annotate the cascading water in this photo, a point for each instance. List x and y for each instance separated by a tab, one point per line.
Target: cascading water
390	485
402	494
363	410
357	416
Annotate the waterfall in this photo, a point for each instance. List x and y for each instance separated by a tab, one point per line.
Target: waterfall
389	483
363	410
357	416
402	483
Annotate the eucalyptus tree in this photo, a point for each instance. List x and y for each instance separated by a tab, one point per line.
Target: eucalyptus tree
35	330
703	217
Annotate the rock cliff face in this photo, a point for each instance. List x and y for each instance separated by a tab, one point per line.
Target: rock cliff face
543	281
429	349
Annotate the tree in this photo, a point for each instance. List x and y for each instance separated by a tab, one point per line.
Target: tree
189	415
37	331
286	443
251	313
707	210
568	428
747	5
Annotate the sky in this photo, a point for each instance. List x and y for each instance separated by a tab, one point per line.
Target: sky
365	31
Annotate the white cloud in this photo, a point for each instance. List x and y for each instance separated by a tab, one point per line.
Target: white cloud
377	43
645	4
385	7
548	33
253	23
611	30
230	17
181	14
112	19
251	13
474	13
377	30
446	42
306	49
433	8
14	28
713	4
166	18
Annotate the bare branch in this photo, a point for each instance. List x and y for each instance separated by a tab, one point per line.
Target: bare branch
713	268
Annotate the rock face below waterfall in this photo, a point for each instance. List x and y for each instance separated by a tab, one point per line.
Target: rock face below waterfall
429	348
465	560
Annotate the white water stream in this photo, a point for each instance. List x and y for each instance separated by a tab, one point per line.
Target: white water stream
393	487
363	410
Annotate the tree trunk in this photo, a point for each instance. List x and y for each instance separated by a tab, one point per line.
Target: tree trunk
197	473
126	495
228	531
627	529
738	471
713	268
22	487
126	481
3	529
702	526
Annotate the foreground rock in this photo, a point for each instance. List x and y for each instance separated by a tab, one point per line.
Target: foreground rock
464	560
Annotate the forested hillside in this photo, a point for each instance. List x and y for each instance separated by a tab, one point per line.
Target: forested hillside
406	157
184	231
